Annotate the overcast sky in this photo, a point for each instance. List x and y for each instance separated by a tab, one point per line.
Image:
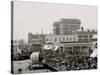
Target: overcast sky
34	16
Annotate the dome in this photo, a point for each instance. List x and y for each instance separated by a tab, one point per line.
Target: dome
34	57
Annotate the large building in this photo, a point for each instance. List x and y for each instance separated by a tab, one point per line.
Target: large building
81	41
36	38
66	26
78	36
68	35
71	37
36	41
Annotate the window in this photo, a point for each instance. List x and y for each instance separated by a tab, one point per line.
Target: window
91	36
55	39
85	36
70	39
74	39
67	38
85	40
80	36
60	39
63	39
80	40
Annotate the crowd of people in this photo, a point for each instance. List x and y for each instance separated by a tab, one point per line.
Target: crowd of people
63	61
72	62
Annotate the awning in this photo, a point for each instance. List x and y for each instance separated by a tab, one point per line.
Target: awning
94	53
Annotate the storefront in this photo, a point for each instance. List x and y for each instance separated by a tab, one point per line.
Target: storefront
76	48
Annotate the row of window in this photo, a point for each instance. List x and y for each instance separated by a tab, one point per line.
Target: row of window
65	39
85	36
81	40
68	39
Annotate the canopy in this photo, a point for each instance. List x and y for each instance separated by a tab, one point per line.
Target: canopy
94	53
47	47
56	48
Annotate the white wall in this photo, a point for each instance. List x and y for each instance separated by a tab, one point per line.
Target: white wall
51	38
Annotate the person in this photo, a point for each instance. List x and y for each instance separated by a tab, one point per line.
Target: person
62	66
44	61
30	65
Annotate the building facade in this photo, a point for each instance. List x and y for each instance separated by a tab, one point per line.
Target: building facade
36	38
36	41
80	42
78	36
57	39
66	26
69	36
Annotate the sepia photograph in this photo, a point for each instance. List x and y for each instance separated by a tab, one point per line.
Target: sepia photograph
53	37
